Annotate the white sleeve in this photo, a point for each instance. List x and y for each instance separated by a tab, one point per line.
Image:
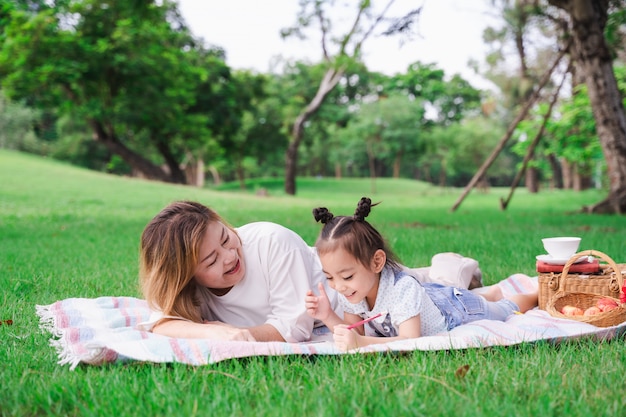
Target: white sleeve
289	280
405	300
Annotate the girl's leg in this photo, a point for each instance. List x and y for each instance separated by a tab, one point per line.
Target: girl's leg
489	293
526	301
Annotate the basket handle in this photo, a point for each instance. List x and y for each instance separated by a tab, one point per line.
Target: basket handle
596	254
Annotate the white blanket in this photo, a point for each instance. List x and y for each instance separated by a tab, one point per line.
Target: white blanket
102	330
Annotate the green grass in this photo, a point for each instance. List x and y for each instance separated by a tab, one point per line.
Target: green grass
67	232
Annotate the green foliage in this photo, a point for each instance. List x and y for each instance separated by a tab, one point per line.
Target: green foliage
455	153
69	232
129	70
381	133
449	100
16	126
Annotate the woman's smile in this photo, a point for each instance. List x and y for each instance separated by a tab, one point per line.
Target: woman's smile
234	269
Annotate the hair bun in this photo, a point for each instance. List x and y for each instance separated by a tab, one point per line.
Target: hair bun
363	209
322	214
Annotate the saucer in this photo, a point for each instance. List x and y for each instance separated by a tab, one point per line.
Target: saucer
555	261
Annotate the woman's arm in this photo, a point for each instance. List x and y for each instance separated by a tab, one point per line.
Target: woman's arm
266	333
346	339
211	330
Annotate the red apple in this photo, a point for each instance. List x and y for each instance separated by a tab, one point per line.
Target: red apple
592	310
569	310
606	304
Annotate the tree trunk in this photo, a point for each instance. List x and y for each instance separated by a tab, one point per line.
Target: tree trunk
566	174
577	183
177	175
531	181
133	159
217	180
241	175
194	172
442	173
588	19
397	162
557	177
337	170
331	78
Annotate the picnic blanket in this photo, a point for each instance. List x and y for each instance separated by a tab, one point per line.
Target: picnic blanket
102	330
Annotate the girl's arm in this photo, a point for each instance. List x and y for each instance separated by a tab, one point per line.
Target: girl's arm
319	307
351	339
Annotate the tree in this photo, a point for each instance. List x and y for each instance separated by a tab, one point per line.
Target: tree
386	130
144	87
448	101
338	63
587	21
16	124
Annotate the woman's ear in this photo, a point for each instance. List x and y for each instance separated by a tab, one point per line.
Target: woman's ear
378	260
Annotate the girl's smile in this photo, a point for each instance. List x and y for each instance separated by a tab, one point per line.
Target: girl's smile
350	277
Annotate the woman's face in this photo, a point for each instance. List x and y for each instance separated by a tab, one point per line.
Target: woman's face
221	265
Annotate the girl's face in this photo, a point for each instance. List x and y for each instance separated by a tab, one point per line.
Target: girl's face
221	265
351	278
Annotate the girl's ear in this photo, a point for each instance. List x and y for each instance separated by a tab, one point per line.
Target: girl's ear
378	260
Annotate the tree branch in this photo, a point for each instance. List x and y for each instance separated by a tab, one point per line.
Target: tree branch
379	18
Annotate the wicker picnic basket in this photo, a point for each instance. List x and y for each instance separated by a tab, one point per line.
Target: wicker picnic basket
565	295
604	282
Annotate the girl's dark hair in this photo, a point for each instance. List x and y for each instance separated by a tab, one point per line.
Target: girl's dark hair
352	233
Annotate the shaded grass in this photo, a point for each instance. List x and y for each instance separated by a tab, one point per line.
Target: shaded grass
67	232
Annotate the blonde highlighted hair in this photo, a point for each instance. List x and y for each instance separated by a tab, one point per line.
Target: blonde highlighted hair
169	252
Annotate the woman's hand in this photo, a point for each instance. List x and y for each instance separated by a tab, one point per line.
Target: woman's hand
318	307
346	339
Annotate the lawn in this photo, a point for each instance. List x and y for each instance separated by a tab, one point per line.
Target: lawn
67	232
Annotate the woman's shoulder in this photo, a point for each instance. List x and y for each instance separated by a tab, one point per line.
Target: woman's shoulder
263	227
268	231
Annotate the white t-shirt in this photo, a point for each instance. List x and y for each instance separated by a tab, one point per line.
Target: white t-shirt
280	269
402	297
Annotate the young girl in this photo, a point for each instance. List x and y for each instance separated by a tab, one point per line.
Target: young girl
369	281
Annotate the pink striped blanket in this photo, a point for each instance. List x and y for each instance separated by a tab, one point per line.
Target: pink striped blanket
102	330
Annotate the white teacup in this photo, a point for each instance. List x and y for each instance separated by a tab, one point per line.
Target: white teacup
561	247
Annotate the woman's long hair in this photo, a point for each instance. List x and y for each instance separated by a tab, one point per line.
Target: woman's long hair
169	252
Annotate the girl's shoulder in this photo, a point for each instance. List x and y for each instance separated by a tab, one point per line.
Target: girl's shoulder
393	282
400	277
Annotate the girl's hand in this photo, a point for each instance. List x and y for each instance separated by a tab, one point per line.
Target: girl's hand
318	307
346	339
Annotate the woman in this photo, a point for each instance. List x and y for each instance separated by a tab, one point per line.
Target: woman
199	273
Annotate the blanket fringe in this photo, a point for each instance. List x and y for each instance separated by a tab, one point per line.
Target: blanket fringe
47	320
65	353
